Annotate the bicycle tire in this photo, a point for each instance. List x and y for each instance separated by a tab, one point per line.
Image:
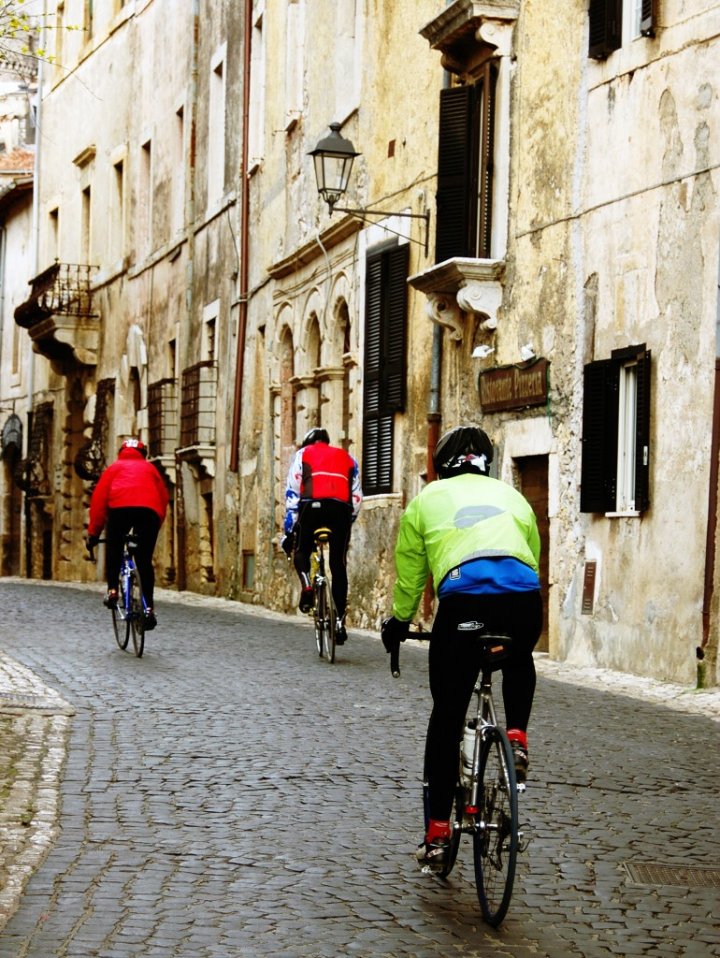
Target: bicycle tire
121	626
319	616
136	616
330	621
495	839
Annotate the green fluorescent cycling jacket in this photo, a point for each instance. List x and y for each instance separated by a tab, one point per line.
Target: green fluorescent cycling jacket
456	520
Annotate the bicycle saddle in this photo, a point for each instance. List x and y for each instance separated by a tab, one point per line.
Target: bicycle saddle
494	646
323	534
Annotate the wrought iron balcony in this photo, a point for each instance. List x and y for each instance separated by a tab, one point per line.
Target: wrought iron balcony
197	414
59	316
163	420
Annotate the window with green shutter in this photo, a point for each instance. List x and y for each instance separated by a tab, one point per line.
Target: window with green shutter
385	370
616	433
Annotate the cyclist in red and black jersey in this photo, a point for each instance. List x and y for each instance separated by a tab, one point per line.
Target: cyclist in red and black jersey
323	490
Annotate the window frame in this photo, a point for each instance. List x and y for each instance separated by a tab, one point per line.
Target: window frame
466	147
615	454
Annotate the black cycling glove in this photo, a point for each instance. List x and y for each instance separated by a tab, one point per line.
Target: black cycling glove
393	632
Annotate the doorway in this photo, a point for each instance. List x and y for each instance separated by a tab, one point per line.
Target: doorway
533	473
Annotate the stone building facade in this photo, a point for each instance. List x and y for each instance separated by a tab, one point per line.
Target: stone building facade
533	245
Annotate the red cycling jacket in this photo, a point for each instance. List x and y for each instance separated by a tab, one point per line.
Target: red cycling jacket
130	481
327	473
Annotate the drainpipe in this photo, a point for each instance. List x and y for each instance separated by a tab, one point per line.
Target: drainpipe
244	232
434	416
180	537
707	651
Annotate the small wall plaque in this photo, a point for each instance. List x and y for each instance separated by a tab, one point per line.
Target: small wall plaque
588	596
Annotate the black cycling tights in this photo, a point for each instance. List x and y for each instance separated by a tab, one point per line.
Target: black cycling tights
337	516
454	667
146	524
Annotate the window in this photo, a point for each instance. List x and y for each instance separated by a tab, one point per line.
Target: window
179	166
86	226
385	363
257	89
465	168
616	433
54	235
145	205
117	212
294	60
613	22
216	130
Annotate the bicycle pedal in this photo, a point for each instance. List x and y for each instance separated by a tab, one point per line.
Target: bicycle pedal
525	837
521	786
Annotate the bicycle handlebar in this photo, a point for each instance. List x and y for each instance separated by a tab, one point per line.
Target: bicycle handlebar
395	661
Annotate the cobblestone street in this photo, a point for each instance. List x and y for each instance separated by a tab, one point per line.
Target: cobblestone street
229	794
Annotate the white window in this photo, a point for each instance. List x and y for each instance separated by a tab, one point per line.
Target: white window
294	61
178	172
632	17
627	435
348	57
256	130
216	130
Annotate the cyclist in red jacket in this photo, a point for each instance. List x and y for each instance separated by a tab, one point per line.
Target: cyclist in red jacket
130	494
323	489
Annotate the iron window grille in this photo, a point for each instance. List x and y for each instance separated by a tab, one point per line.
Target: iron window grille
198	403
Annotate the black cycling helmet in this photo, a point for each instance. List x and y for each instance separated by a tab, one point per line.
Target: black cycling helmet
135	444
315	435
453	448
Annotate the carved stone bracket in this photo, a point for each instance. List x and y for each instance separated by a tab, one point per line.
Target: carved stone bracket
442	308
460	286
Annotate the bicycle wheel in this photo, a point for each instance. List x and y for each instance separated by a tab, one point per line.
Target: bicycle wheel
319	616
136	616
121	626
326	615
495	840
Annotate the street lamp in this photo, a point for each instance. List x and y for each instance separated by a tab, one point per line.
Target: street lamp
333	158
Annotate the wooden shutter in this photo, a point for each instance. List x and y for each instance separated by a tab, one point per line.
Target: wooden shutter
648	18
454	192
642	436
605	27
484	124
395	326
598	481
385	369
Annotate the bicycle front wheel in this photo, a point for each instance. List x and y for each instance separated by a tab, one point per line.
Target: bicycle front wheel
495	840
121	626
136	615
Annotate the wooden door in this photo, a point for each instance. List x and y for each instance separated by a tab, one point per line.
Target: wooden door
533	471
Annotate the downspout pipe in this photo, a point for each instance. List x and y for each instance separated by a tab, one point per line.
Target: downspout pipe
180	517
707	650
434	416
244	233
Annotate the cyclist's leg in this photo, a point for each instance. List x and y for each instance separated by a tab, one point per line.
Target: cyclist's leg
118	523
453	665
522	614
339	517
147	525
304	545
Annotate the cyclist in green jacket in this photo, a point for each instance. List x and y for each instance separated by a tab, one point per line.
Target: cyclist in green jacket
478	538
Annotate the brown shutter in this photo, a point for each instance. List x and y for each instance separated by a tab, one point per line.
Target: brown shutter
395	373
454	175
485	125
648	18
605	27
598	483
642	436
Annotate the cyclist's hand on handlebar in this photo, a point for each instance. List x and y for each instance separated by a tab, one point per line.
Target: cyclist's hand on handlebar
90	543
287	544
393	632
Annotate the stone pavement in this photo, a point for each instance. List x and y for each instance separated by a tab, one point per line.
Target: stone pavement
132	795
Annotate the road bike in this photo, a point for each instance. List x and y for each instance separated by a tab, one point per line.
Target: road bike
128	616
324	612
485	801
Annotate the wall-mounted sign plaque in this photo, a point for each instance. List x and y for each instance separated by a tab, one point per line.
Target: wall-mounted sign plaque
514	387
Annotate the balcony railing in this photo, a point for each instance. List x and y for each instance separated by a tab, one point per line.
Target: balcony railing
62	289
198	404
162	418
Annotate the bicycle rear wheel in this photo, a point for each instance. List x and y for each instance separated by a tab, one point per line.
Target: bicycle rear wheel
136	615
495	841
325	622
